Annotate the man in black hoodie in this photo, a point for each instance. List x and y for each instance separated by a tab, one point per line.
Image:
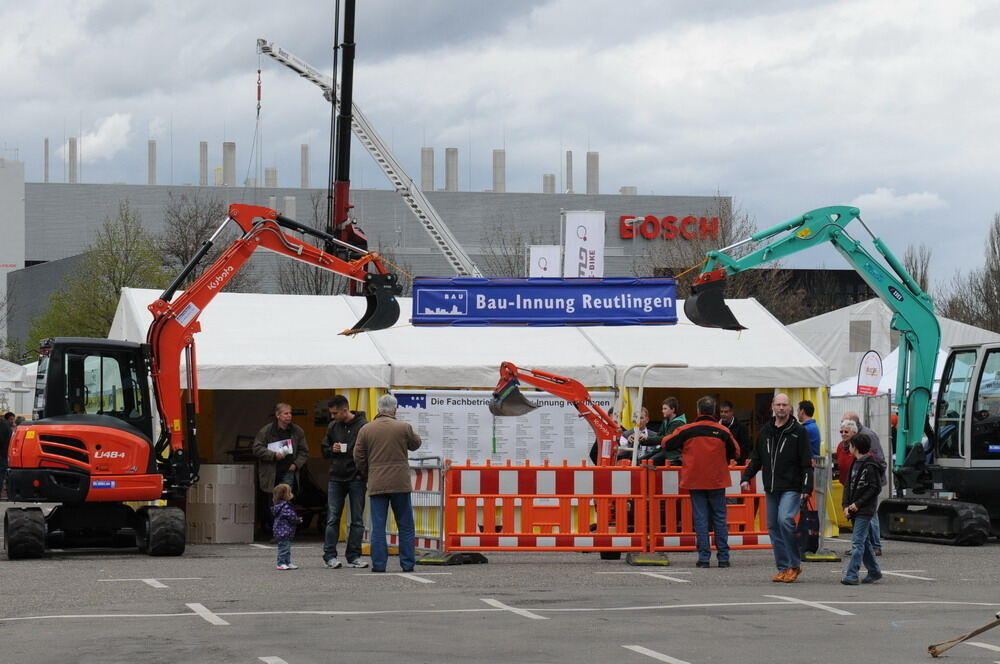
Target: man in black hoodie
783	454
860	500
345	482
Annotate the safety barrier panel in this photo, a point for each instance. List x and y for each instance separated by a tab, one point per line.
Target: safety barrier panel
586	508
427	498
545	508
671	522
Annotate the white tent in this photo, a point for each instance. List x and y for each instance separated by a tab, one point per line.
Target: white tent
890	371
829	335
765	355
252	341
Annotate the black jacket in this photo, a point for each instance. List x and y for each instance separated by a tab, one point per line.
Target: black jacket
864	485
342	468
784	455
742	436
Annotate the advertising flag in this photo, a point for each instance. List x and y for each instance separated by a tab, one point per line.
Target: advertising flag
583	237
544	260
869	373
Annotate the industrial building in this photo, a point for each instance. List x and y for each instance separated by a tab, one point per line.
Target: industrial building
49	225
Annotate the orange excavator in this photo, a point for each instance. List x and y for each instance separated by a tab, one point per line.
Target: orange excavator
509	400
90	446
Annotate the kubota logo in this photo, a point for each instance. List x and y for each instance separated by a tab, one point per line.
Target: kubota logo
214	283
108	454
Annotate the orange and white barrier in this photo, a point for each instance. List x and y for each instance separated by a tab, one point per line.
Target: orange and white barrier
671	521
545	508
586	508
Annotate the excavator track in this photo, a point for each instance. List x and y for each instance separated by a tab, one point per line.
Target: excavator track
934	520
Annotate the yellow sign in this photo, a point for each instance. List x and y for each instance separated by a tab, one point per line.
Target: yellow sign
177	425
29	434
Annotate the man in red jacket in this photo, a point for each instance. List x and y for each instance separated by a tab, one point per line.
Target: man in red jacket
707	447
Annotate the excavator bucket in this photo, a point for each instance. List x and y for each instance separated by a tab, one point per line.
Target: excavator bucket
706	307
383	307
508	400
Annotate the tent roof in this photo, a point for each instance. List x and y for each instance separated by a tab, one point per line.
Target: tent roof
257	341
254	341
828	335
10	372
765	355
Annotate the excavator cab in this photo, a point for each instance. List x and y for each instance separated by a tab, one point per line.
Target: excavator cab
705	306
509	401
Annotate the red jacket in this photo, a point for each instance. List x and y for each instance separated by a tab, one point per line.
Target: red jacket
706	448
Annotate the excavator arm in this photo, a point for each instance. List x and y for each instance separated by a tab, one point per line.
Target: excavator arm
508	400
175	320
913	311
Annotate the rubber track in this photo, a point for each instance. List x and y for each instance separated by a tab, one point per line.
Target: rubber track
972	521
165	531
25	536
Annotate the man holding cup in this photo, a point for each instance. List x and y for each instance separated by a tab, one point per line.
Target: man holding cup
345	482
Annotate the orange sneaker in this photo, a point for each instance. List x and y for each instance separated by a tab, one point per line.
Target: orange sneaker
791	574
780	576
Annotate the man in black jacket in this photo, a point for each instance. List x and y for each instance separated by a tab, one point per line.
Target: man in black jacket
860	500
345	482
783	455
727	418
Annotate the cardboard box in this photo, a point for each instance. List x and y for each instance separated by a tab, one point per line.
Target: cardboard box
223	484
220	524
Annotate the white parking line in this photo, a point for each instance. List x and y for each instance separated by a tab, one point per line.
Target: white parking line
655	575
272	660
984	646
909	576
262	546
409	575
158	583
210	617
652	654
815	605
521	612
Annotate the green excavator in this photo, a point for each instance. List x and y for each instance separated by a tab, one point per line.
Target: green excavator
946	467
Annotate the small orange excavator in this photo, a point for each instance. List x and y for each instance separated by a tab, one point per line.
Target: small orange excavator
509	400
90	445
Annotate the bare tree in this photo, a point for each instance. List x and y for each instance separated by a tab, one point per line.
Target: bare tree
917	261
505	247
973	299
190	219
297	278
682	259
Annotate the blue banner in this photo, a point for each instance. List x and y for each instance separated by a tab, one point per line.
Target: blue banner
474	301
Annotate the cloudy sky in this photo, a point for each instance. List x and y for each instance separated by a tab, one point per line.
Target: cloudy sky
786	105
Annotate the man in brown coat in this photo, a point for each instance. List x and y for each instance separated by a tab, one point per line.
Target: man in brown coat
381	455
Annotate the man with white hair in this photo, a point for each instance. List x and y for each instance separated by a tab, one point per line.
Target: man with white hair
381	456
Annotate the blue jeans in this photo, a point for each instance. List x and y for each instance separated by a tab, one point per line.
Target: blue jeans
402	510
710	504
876	532
782	508
336	492
862	549
284	551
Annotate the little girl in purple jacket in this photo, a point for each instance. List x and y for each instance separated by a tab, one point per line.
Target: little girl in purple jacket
285	521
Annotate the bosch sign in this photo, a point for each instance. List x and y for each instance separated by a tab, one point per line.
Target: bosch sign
651	227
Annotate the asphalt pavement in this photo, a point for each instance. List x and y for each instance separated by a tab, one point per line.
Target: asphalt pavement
227	603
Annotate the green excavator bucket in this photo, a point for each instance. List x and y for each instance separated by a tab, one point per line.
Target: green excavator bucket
705	306
508	400
382	308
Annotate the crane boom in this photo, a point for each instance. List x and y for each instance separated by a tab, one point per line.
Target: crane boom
404	185
913	311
